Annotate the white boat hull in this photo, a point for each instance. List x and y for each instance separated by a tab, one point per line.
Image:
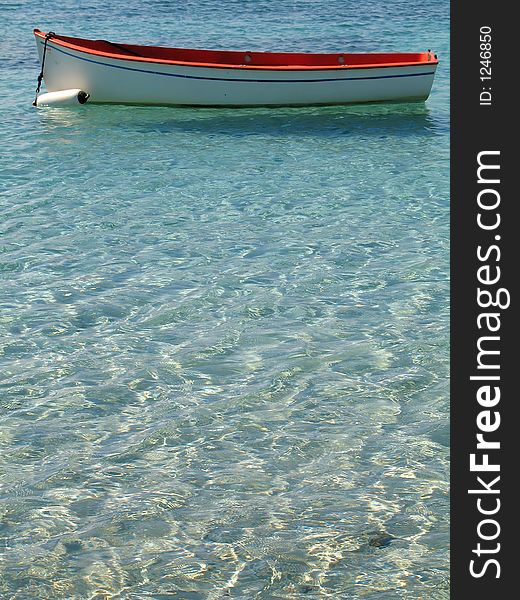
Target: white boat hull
113	80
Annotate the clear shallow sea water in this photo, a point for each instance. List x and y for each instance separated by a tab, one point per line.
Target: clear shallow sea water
224	333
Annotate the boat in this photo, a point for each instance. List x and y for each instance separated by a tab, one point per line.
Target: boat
109	72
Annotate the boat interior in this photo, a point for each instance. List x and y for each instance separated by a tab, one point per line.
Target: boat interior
230	58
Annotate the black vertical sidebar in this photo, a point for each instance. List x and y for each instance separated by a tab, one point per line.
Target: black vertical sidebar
484	125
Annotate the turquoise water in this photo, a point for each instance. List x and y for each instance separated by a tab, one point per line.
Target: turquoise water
224	333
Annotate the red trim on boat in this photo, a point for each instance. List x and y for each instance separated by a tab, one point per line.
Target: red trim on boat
228	59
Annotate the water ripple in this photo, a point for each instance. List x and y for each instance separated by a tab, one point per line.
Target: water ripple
224	333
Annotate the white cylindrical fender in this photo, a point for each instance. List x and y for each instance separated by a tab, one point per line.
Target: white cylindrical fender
63	98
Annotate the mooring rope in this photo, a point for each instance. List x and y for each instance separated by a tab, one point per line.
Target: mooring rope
40	76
